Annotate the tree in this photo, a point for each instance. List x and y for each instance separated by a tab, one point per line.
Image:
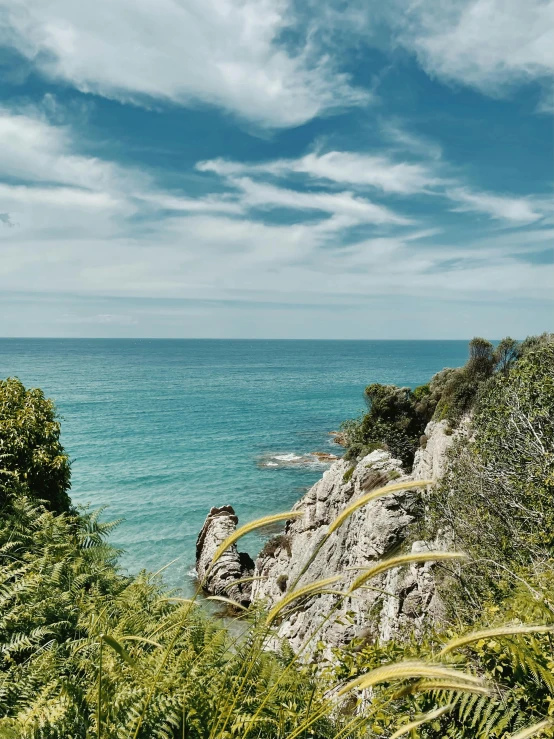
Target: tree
505	354
31	454
481	357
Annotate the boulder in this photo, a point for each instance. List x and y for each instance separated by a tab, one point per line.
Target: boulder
232	566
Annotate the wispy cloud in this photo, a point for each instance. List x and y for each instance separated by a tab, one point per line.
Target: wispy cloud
353	209
494	46
501	207
342	167
227	53
488	44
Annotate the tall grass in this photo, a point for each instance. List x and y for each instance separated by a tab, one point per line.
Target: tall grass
97	656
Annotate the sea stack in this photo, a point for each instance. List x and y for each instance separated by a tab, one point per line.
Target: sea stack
232	566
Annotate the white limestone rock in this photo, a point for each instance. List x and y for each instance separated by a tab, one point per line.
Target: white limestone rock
233	565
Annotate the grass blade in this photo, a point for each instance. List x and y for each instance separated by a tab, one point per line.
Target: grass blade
247	528
119	648
500	631
228	601
532	730
312	589
422	720
403	559
408	669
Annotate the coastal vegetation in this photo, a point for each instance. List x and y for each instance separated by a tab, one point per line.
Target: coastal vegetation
86	651
396	417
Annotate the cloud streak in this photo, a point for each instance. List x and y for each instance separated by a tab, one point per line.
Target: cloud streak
219	52
330	228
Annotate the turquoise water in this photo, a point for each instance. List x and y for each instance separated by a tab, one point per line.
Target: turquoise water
161	430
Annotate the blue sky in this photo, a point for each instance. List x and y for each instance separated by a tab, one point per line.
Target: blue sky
270	168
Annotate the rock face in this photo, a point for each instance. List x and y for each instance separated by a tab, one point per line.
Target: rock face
367	536
398	600
430	459
233	565
373	532
414	600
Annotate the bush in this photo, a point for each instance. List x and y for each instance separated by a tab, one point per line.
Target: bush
88	653
497	496
280	541
30	450
348	474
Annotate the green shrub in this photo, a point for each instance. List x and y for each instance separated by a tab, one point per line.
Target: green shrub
279	541
30	448
397	417
348	474
497	496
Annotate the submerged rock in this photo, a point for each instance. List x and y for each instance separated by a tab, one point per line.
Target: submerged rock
339	438
324	456
221	579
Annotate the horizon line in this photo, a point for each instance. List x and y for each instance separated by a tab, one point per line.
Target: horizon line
206	338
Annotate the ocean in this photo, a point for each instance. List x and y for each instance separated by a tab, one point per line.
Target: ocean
161	430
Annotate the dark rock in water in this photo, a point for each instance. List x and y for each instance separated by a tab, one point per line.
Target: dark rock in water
339	438
232	566
324	456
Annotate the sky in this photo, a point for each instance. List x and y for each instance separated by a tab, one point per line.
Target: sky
276	169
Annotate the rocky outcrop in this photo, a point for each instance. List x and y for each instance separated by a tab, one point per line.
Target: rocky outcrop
430	458
402	599
414	600
371	533
399	600
221	579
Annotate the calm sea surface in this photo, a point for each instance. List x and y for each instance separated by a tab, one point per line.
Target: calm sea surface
161	430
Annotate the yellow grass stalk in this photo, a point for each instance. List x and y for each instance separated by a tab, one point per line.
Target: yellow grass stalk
403	559
431	716
500	631
365	499
532	730
141	639
425	686
349	510
228	601
247	528
311	589
409	669
159	572
242	580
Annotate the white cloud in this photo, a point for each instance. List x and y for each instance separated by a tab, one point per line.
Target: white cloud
353	209
221	52
342	167
379	172
488	44
34	151
517	210
78	233
405	140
